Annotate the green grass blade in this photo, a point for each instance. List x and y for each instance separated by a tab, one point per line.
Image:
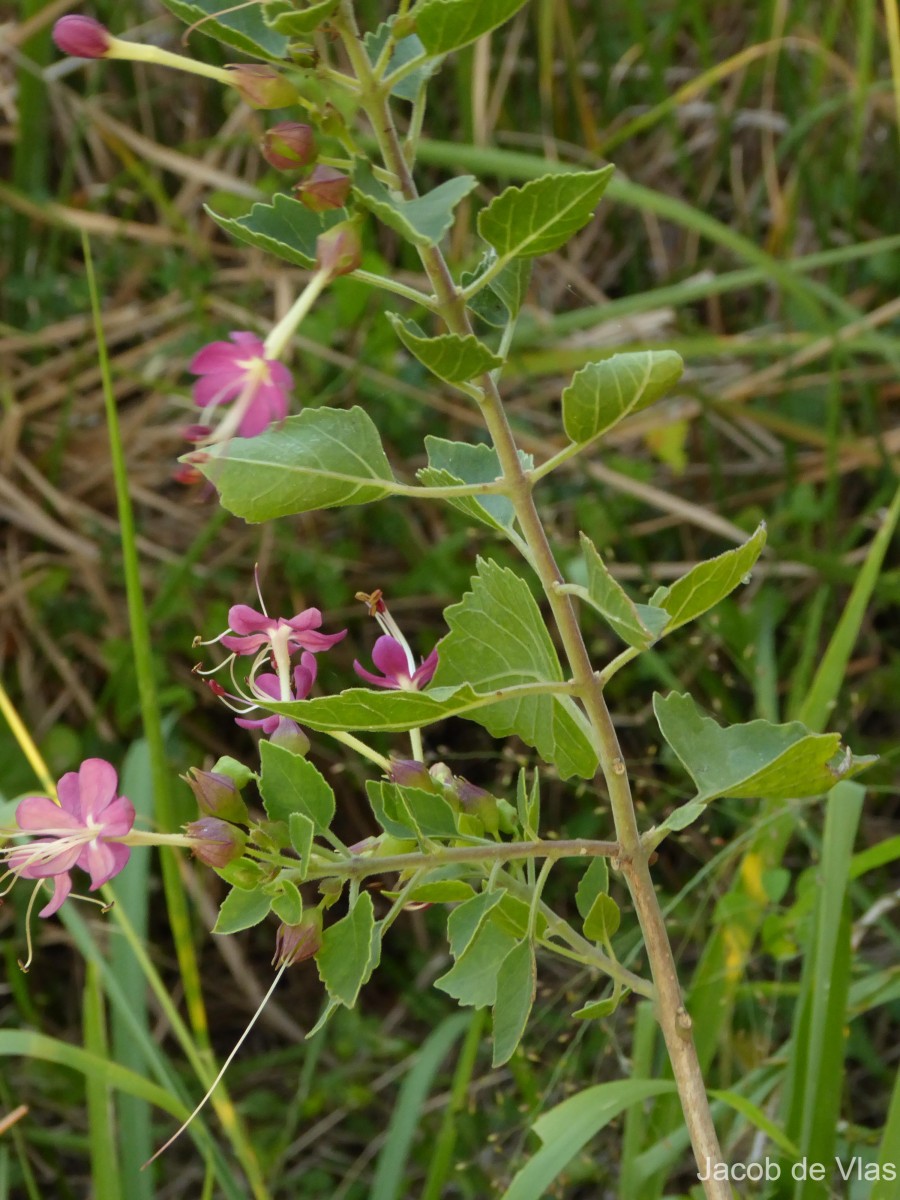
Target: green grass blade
100	1104
406	1118
441	1163
889	1155
634	1134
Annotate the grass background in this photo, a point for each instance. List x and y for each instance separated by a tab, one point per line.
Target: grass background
754	228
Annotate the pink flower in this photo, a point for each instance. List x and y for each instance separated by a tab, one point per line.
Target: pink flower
277	728
397	666
257	387
83	830
256	630
82	37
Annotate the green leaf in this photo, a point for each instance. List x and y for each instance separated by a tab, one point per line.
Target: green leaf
285	228
567	1128
422	221
429	814
637	624
472	979
709	582
291	784
286	18
241	27
453	463
441	891
445	25
502	298
323	458
240	910
350	952
465	921
516	983
603	393
598	1008
756	760
602	922
543	214
498	639
449	356
594	883
405	50
388	808
287	904
302	831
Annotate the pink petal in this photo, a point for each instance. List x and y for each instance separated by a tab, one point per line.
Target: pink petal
267	724
21	860
62	885
390	658
244	645
375	680
244	619
248	341
103	860
118	817
256	419
69	792
217	388
217	356
425	673
305	675
37	814
98	786
310	618
268	684
279	374
317	641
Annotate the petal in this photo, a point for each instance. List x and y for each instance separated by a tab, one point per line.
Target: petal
244	645
305	675
25	862
62	885
217	356
268	684
248	342
99	781
375	680
310	618
244	619
102	860
218	388
37	814
425	673
267	724
68	790
256	419
390	658
118	817
316	641
279	374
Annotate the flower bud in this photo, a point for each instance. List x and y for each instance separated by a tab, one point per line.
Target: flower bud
294	943
290	736
289	145
326	188
339	249
217	795
261	86
409	773
216	842
82	37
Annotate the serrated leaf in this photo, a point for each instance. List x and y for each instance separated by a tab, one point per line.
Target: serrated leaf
388	809
597	1008
543	214
302	831
756	760
241	910
450	357
422	221
472	980
453	463
445	25
516	983
287	905
241	27
594	882
291	784
637	624
285	228
429	814
602	922
323	458
514	915
709	582
498	639
465	921
502	298
603	393
405	50
350	952
286	18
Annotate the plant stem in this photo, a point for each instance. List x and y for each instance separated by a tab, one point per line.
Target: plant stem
633	861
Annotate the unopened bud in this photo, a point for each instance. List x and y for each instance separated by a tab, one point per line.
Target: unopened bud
216	842
326	188
339	249
294	943
217	795
477	801
409	773
290	736
261	86
82	37
289	145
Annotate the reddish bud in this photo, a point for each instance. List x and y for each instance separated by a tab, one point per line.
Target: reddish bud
82	37
294	943
217	795
261	86
339	249
215	842
326	188
289	145
409	773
